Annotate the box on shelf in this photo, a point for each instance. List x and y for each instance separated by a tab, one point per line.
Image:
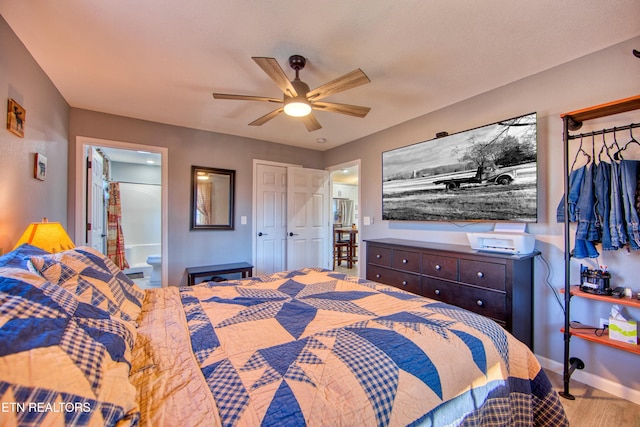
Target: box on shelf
623	330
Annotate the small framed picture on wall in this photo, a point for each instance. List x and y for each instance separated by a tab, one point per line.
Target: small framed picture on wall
40	167
16	116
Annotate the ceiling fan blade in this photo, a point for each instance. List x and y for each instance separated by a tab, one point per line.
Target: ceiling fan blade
264	119
246	97
351	110
348	81
273	70
311	122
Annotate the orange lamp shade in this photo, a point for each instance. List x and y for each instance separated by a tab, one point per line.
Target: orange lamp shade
46	235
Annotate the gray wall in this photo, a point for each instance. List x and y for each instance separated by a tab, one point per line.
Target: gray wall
23	198
187	147
608	75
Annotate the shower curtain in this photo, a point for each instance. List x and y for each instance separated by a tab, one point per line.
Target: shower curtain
115	237
204	203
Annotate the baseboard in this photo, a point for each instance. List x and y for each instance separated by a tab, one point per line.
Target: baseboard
595	381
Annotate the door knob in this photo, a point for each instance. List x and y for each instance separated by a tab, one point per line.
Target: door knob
262	234
292	234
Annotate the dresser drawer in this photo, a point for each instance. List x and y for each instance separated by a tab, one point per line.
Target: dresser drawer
405	281
406	260
379	256
488	303
443	267
485	274
436	289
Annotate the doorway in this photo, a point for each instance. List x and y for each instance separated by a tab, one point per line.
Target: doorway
138	174
345	193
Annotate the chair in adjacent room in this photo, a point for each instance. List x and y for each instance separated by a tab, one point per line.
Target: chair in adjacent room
341	247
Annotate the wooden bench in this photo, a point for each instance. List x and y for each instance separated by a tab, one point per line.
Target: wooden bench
213	270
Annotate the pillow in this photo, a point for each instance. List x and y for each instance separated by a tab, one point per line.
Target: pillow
94	279
62	362
20	256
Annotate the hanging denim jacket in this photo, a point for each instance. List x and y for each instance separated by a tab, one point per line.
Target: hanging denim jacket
575	182
628	183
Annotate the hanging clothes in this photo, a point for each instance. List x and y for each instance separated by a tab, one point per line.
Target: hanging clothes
604	201
115	237
586	232
575	183
629	182
616	219
601	182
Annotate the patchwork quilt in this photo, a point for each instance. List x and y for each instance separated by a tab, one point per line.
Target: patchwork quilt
314	347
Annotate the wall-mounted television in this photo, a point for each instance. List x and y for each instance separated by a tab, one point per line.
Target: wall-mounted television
484	174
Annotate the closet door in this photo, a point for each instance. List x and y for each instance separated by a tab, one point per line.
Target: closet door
308	207
271	219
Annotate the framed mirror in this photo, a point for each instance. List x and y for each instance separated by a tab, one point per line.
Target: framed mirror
212	198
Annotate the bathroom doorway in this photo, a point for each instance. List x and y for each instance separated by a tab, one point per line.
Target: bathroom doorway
133	183
345	192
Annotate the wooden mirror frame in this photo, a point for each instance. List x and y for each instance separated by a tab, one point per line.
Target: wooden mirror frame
222	219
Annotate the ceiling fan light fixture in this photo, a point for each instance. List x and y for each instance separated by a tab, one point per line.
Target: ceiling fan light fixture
297	107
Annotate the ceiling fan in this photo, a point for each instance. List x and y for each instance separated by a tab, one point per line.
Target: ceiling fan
298	100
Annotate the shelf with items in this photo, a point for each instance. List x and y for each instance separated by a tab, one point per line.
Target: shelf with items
589	333
631	302
573	121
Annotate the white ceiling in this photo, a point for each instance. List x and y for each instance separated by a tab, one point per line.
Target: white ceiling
160	60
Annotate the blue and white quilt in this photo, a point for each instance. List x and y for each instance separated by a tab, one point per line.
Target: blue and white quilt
314	347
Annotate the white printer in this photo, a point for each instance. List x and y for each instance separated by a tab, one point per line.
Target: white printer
505	238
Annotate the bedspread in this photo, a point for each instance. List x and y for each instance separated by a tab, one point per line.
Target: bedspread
314	347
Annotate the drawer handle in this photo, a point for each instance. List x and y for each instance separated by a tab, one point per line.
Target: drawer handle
480	303
480	274
437	292
377	276
404	261
378	256
438	267
404	283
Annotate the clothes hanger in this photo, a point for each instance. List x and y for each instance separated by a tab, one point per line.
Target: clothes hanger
616	157
632	141
605	148
580	150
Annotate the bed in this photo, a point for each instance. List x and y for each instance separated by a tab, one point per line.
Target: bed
80	344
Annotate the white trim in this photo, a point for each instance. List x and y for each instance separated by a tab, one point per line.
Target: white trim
82	142
340	166
592	380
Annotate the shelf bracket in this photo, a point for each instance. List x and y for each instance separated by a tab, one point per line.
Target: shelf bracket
573	124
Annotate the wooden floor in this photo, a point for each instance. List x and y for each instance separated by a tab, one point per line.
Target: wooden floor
595	408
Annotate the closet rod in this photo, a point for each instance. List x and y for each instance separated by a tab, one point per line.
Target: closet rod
603	131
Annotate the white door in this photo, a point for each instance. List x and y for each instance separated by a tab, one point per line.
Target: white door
95	206
271	219
308	229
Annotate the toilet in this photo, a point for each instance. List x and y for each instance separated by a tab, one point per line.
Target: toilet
155	261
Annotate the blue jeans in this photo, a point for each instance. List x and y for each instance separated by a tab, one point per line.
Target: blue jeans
602	180
616	221
629	183
586	231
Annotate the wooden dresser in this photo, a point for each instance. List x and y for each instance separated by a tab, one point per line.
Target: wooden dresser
495	285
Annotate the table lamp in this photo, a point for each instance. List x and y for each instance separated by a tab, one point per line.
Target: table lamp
46	235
